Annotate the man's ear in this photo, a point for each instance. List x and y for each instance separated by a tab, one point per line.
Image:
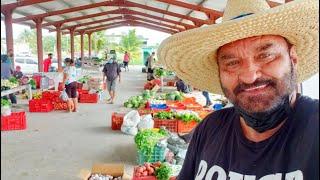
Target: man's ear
293	55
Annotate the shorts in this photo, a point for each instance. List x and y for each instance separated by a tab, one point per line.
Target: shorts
111	85
125	64
150	70
71	90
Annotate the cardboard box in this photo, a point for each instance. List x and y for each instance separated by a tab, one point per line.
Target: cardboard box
115	170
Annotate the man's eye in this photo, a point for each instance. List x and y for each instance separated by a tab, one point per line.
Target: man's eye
266	56
232	63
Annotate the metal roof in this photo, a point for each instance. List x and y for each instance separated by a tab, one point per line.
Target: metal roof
169	16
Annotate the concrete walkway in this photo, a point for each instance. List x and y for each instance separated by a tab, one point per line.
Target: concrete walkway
57	145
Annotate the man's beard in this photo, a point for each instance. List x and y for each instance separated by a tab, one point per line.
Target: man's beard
278	91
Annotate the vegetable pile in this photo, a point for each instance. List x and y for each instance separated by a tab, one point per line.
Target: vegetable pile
164	115
9	83
5	103
160	72
84	79
147	139
148	169
32	82
139	101
174	96
163	172
187	116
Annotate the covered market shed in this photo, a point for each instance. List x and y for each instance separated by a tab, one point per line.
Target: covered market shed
84	17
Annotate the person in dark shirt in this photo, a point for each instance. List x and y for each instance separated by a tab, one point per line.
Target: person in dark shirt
111	73
17	73
258	56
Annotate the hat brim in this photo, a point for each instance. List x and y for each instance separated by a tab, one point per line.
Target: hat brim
192	54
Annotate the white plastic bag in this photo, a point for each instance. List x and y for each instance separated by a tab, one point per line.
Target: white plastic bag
64	96
131	119
146	122
129	130
130	122
5	110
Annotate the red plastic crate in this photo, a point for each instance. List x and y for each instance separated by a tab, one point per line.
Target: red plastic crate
186	127
88	98
51	95
144	111
170	83
193	106
81	91
40	105
60	105
16	121
170	124
116	120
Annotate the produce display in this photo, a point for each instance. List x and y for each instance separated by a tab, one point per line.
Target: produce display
148	169
164	115
175	96
9	84
37	95
32	82
160	72
84	79
5	103
187	116
103	177
163	172
139	101
147	139
151	84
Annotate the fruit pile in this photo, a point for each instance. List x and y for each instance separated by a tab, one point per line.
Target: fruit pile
37	95
148	169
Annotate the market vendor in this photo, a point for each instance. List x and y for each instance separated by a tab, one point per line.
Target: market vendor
256	57
70	84
7	72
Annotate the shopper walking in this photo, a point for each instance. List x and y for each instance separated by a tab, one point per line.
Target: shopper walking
111	74
126	60
207	96
70	84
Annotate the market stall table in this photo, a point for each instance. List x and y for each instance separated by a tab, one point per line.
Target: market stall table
17	89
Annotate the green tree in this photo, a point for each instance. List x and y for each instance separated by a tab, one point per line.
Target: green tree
99	42
49	44
29	37
132	44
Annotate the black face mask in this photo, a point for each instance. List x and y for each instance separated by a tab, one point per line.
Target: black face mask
264	121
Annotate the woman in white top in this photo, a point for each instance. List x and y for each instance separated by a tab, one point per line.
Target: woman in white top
70	84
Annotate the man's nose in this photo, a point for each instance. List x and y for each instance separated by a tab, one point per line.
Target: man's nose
250	73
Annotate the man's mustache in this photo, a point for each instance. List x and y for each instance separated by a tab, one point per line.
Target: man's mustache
259	82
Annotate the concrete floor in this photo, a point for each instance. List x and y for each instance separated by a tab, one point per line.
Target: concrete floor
57	145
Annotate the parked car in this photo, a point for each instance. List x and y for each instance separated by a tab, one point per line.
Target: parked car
28	64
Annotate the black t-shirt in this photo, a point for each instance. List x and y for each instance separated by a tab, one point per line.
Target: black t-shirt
111	70
219	149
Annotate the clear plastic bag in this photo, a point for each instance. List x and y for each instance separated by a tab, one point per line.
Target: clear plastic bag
146	122
64	96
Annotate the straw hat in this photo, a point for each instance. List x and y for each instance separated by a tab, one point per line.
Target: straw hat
192	54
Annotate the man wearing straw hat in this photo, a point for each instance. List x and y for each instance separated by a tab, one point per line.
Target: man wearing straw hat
255	57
